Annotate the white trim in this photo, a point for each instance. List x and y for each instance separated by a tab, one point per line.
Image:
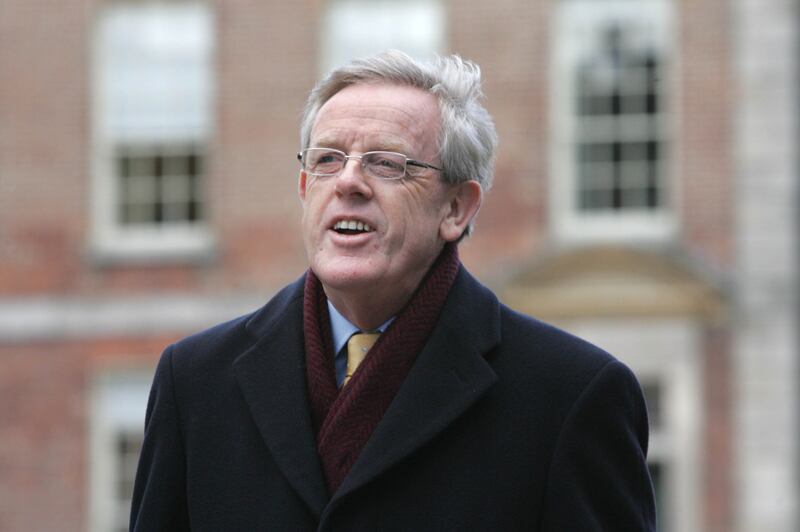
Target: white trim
30	319
629	227
181	242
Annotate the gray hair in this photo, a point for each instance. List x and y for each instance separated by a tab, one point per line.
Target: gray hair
467	139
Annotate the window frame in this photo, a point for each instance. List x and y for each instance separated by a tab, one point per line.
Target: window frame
568	223
110	240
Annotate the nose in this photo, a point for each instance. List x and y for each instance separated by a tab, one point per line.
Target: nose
352	181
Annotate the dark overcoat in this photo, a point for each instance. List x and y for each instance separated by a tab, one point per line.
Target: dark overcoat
504	423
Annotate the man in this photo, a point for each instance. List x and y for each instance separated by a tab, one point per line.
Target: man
463	415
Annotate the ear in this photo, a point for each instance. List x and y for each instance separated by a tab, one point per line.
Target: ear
465	201
302	185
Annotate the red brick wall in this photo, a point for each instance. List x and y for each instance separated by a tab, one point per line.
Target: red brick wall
266	63
44	425
718	444
705	105
266	66
510	41
43	144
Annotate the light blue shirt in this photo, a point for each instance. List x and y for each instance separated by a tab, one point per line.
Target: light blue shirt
342	330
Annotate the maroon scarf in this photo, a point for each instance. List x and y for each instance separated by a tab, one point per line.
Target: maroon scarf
344	421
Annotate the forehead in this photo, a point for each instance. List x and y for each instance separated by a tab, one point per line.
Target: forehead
378	116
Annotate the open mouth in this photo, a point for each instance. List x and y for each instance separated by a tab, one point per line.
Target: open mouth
351	227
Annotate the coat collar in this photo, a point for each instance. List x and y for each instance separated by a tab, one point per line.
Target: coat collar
449	376
272	377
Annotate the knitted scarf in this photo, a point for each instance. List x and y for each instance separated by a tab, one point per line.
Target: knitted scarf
345	419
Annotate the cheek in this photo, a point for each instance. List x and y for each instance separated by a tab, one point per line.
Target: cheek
309	222
422	226
414	218
312	207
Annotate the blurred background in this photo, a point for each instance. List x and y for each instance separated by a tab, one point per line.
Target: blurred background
646	198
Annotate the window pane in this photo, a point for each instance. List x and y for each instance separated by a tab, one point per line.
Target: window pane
617	118
155	65
356	28
597	175
160	185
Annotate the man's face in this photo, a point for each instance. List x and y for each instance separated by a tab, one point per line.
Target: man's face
408	220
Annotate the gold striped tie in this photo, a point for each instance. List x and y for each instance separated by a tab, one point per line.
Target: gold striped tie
357	347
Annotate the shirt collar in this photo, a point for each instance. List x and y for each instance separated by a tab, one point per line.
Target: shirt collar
342	329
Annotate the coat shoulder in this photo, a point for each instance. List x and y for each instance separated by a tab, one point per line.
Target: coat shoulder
548	363
520	341
548	342
223	342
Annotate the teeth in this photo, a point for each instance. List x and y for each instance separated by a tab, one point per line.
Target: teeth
352	225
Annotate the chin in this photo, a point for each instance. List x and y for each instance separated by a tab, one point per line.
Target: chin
346	274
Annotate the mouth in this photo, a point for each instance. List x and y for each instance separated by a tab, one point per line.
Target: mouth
351	227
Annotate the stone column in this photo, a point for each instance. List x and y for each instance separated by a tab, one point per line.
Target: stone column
766	281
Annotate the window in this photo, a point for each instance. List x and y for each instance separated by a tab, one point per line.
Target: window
356	28
610	175
159	184
153	100
118	405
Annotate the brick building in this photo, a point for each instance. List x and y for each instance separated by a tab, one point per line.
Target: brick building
646	198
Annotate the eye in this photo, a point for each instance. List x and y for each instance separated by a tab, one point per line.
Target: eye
386	165
327	158
324	161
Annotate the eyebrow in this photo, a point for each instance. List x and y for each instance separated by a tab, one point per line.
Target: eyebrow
396	148
374	145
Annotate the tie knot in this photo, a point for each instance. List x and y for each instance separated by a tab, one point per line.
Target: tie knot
357	347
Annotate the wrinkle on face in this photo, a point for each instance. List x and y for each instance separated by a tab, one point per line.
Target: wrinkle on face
406	214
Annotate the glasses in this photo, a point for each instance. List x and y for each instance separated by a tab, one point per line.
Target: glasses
327	162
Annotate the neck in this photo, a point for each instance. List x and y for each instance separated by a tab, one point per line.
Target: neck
372	306
366	315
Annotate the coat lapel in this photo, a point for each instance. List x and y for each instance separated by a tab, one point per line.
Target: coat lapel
449	376
272	377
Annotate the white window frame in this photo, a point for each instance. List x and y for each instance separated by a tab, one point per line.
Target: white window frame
117	407
111	240
574	21
416	27
669	352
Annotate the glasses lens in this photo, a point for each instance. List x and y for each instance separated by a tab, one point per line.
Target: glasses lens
385	165
321	161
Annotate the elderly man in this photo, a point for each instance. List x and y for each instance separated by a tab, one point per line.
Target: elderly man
387	389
